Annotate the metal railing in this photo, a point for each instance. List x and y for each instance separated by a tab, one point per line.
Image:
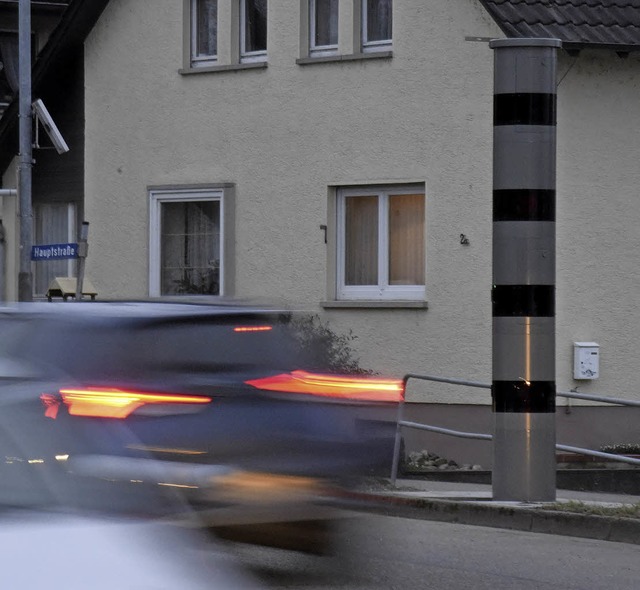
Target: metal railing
479	436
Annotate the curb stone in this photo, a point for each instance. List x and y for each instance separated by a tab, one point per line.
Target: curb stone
523	517
620	480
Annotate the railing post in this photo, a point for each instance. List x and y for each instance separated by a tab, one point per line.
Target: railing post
398	440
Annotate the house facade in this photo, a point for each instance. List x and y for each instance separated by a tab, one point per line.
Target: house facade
287	143
335	156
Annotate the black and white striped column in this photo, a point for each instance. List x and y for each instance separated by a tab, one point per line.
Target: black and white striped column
523	294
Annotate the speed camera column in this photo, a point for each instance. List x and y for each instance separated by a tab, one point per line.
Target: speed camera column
523	292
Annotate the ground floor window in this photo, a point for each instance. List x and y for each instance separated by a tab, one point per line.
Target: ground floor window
381	243
186	242
55	223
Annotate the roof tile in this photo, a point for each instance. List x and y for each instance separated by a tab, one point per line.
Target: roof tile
583	22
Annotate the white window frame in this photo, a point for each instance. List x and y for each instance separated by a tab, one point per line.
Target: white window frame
381	291
199	60
156	200
250	56
318	50
371	46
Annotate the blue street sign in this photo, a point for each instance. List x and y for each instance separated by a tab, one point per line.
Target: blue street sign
54	252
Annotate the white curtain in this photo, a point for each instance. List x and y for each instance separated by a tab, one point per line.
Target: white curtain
207	27
190	248
255	25
326	22
55	223
361	240
379	20
406	240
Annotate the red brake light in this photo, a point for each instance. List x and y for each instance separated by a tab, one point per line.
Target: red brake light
336	386
252	328
114	403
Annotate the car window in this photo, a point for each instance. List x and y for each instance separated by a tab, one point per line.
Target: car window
211	347
115	350
57	348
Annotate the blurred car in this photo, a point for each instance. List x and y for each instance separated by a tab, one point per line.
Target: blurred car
63	552
62	530
209	385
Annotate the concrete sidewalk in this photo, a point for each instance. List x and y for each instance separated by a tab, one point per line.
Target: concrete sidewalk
467	503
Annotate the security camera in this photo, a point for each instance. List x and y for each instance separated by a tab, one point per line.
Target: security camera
42	115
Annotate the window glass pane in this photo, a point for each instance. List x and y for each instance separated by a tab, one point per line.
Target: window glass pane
206	27
378	20
255	25
406	240
55	224
361	240
326	22
190	248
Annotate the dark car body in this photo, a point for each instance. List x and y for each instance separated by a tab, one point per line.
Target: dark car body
62	528
206	384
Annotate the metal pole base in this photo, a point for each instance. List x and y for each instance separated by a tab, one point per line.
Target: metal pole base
524	459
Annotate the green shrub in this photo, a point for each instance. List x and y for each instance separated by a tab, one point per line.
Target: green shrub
327	350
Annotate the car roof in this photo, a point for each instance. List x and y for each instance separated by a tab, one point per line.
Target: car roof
139	310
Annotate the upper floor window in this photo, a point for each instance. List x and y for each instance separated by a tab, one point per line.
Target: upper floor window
204	32
381	243
323	20
376	24
253	30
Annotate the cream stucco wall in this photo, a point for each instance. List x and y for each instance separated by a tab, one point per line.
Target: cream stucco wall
598	211
284	134
10	216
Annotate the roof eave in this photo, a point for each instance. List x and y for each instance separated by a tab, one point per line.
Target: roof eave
617	47
75	25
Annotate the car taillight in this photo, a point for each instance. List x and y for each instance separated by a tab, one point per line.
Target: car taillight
334	386
253	328
100	402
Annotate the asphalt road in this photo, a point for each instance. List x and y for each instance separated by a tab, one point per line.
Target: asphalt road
376	552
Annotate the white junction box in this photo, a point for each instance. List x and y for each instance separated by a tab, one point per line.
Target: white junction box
586	360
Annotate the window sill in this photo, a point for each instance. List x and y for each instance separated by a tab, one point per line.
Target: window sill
258	65
374	303
320	59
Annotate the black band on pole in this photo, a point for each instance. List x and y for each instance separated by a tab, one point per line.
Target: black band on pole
524	205
529	108
524	396
523	300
